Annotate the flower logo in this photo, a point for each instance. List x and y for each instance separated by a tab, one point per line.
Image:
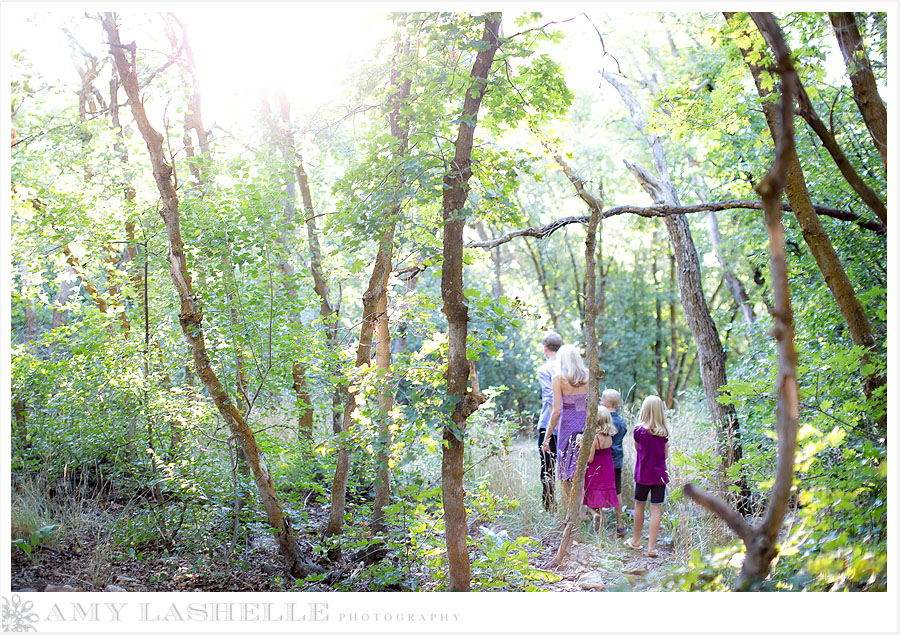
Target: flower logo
18	616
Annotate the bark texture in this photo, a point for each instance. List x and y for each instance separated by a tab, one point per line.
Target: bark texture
454	307
865	89
191	314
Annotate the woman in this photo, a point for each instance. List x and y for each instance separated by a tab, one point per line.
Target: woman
570	386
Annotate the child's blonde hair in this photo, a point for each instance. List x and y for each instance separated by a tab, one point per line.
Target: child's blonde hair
571	366
653	417
612	397
605	423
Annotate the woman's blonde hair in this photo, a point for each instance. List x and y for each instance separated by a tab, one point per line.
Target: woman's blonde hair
605	423
653	416
571	366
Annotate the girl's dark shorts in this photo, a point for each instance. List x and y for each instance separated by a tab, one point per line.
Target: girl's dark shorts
618	472
657	493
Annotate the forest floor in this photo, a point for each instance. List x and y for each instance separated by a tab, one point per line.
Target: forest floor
87	557
86	563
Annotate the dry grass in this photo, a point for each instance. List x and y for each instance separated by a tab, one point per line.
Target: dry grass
31	509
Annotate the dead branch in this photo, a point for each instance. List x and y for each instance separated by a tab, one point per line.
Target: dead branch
660	211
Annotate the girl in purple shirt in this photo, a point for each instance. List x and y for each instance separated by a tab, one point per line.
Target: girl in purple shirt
651	438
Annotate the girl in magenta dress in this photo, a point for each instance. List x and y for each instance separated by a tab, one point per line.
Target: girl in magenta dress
600	477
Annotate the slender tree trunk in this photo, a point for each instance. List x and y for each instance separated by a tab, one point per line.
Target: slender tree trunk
66	286
542	281
574	504
579	286
760	540
374	298
814	234
735	286
865	89
190	314
399	126
454	199
673	333
328	312
682	384
603	271
657	344
385	405
300	383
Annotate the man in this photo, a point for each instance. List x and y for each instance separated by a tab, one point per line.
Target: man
551	342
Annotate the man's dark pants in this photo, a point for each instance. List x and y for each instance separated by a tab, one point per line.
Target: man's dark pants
548	469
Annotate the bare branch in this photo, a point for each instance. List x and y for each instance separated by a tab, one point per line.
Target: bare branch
721	509
660	211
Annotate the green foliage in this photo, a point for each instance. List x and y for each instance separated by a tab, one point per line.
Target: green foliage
38	537
505	564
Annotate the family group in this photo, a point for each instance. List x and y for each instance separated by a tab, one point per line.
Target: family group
564	386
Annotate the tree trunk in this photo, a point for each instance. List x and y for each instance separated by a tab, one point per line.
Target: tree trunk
574	504
191	315
657	344
454	307
673	334
865	89
399	126
374	297
542	281
696	311
735	286
385	405
805	109
600	295
814	234
300	384
760	540
328	312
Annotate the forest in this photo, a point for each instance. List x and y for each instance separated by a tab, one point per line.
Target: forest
277	314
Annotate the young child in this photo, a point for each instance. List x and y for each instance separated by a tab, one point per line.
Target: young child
650	475
599	478
611	400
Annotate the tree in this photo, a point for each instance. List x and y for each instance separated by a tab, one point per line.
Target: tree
454	199
191	314
865	90
374	317
760	541
706	335
814	234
